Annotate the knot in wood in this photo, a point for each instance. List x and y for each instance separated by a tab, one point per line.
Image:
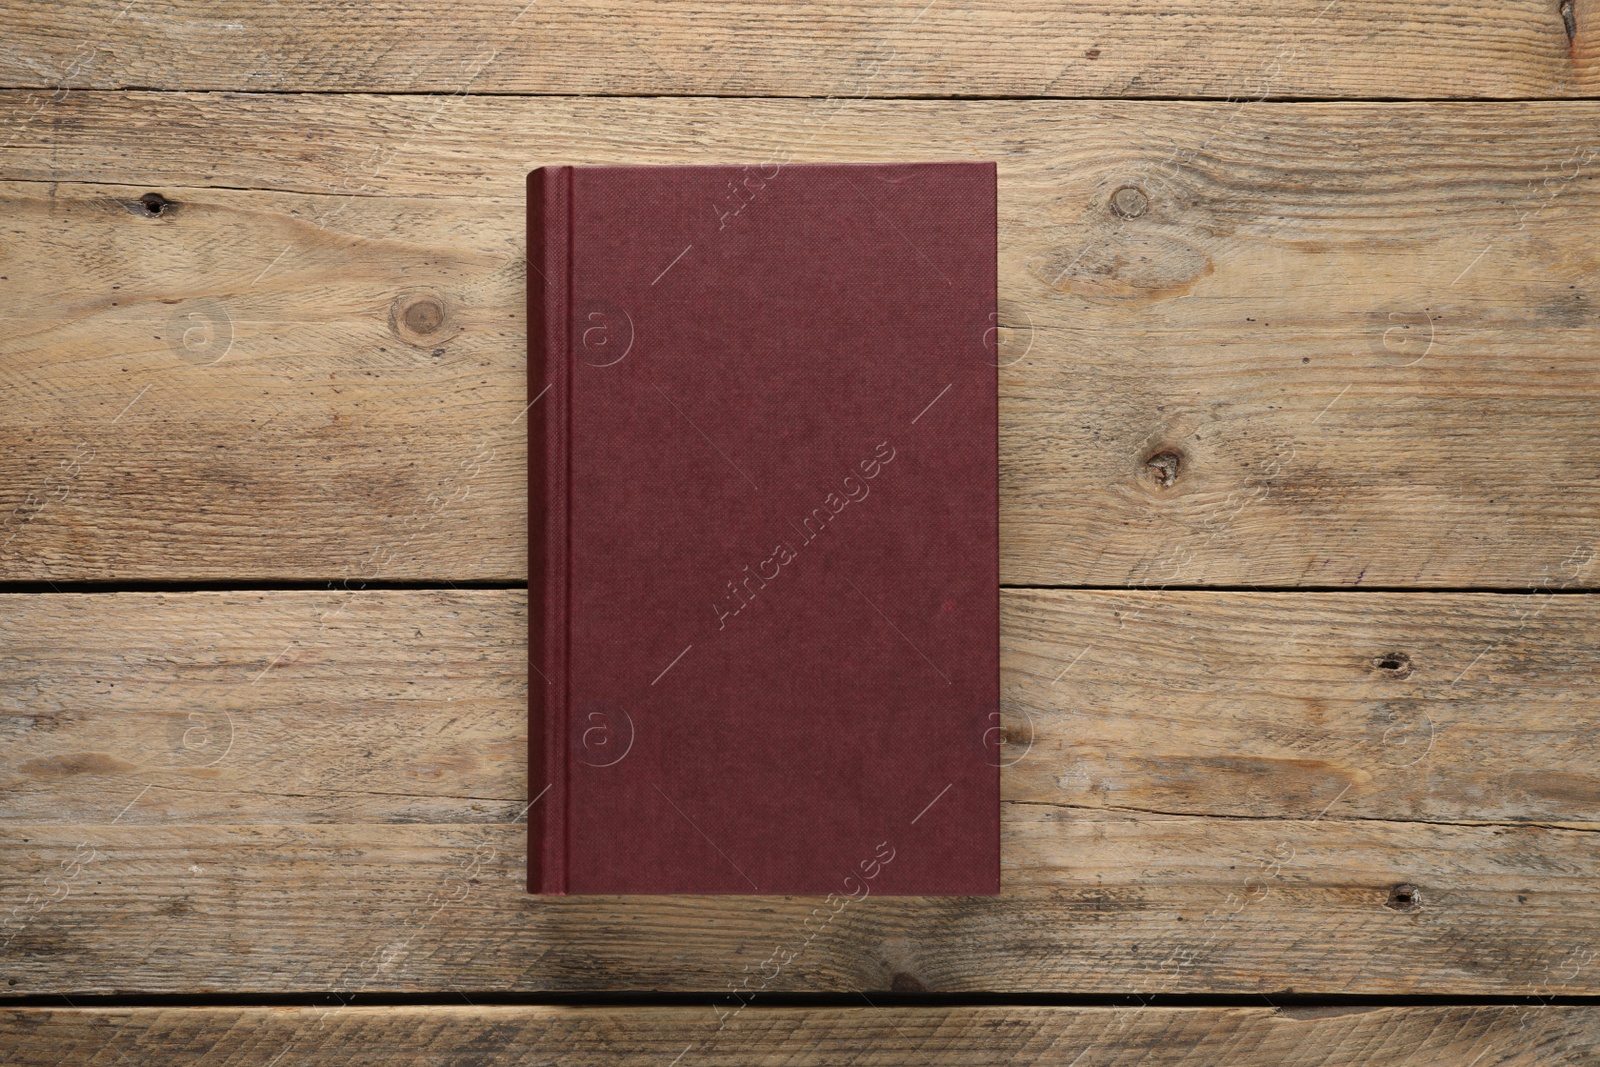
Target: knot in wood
422	319
1129	202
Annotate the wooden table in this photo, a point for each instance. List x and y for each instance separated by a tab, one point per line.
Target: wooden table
1300	482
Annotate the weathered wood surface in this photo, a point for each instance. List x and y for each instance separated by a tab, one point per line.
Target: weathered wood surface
1205	792
1195	48
1498	1036
1360	340
410	707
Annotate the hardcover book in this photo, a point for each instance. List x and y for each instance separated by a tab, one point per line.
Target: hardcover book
763	567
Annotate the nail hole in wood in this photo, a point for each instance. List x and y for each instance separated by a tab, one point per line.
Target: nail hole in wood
1393	664
1404	897
154	205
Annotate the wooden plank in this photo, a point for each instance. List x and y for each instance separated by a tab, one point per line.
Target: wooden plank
267	707
1093	903
1204	792
1214	48
1359	340
1429	707
1244	705
290	423
1485	1036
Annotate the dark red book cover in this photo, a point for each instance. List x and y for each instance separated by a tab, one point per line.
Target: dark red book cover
763	556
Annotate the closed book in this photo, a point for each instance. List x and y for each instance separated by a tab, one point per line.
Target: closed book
763	561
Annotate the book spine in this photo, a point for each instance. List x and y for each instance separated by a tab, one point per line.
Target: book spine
549	549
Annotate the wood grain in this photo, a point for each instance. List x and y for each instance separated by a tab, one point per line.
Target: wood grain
1429	707
1205	792
1092	903
1183	703
1359	340
934	1037
1197	48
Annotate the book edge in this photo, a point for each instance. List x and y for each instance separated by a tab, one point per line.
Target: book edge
548	274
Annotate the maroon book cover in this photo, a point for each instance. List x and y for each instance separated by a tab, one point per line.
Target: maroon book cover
763	556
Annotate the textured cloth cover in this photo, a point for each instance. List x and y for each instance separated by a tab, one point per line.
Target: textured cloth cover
763	500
